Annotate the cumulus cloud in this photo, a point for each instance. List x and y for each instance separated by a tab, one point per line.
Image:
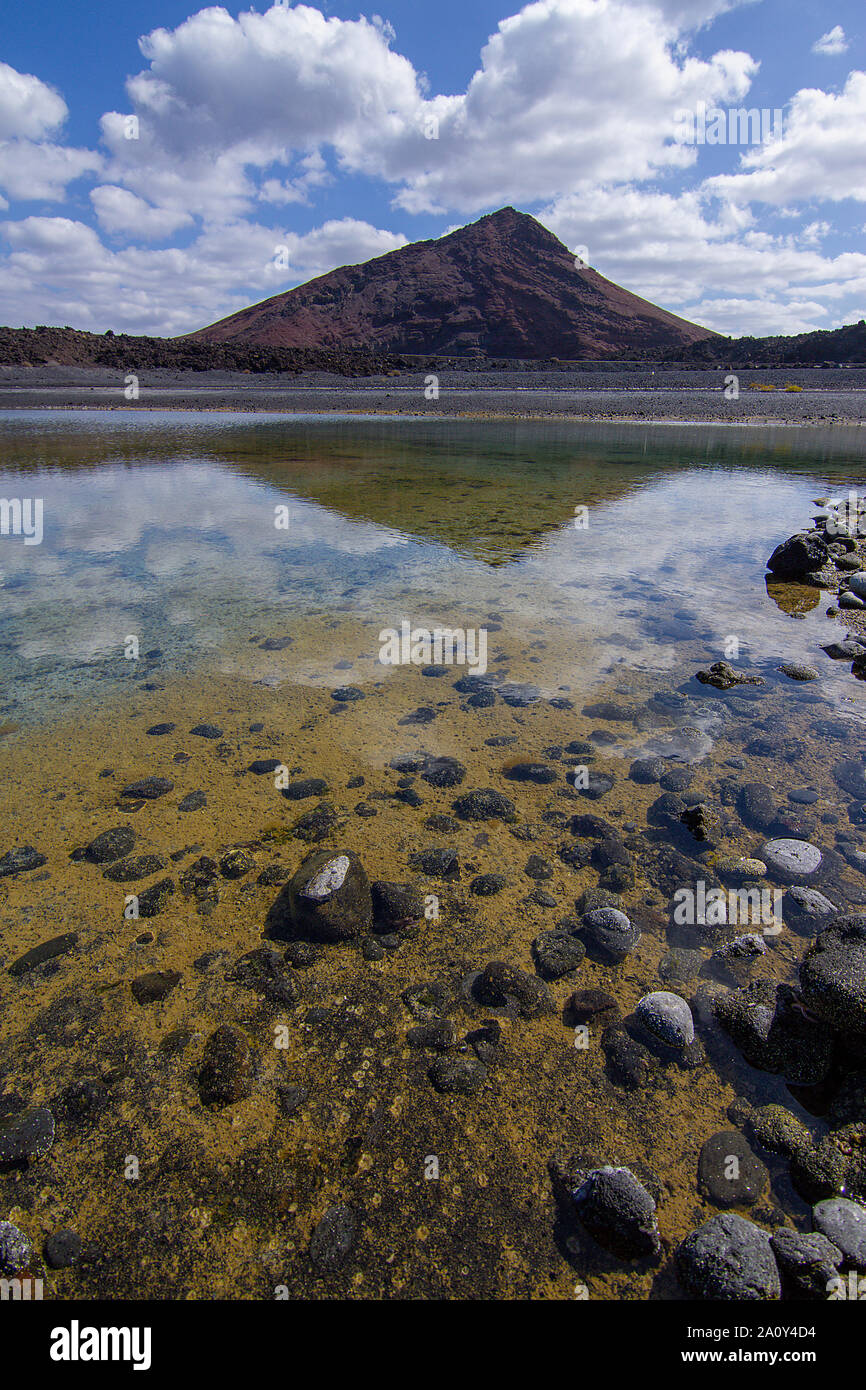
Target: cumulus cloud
166	291
568	91
819	155
29	108
121	212
693	257
831	43
31	166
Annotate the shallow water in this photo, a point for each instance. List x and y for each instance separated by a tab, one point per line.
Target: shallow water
161	528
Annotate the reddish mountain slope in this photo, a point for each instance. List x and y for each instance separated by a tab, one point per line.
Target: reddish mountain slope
504	286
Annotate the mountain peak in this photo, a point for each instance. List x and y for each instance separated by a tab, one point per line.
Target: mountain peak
503	285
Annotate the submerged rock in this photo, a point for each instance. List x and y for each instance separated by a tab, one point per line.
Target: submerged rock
334	1238
844	1223
328	898
484	804
110	845
728	1171
668	1017
27	1135
21	860
808	1262
463	1075
728	1258
15	1249
724	677
833	974
774	1034
618	1212
227	1069
610	931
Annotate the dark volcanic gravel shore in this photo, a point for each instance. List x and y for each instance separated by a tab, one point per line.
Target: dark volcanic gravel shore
826	395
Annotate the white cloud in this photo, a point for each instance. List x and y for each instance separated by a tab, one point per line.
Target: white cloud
568	91
167	291
670	250
29	108
831	43
31	167
819	156
121	212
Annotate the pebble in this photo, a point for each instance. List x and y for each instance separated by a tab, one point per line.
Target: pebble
460	1075
844	1223
154	986
728	1258
792	858
739	869
538	773
807	1261
235	863
110	845
307	787
27	1135
328	897
485	885
618	1212
262	766
484	804
15	1249
851	777
153	899
45	951
193	801
346	694
440	1035
796	672
557	953
593	785
128	870
62	1249
436	863
668	1017
148	788
500	986
611	930
728	1171
334	1238
647	770
207	731
266	972
807	909
396	905
227	1069
21	860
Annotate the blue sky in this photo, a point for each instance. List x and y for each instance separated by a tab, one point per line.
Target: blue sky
269	145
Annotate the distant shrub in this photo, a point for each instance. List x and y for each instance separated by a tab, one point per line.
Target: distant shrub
792	386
